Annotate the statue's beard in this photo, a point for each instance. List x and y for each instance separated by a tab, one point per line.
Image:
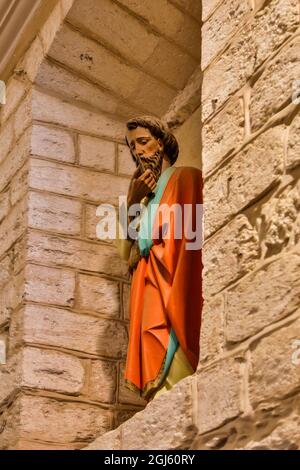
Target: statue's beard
154	163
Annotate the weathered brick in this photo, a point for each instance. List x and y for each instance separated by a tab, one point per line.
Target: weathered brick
11	297
168	20
49	285
218	394
273	373
222	135
125	395
76	182
219	28
257	41
99	295
48	249
4	205
15	91
65	329
5	270
207	7
6	139
275	86
12	227
147	429
103	381
100	66
278	220
53	143
23	116
19	184
15	159
232	252
61	421
51	370
96	153
51	26
53	110
32	59
212	330
293	150
54	213
126	165
263	297
244	178
192	7
110	440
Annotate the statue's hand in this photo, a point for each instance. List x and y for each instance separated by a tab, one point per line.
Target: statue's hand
141	184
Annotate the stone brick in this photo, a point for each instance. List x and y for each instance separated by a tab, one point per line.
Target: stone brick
53	77
5	270
23	116
147	429
222	135
232	252
19	184
76	182
273	373
32	59
13	226
219	28
49	285
51	26
103	381
169	21
218	395
105	68
110	440
65	329
11	297
191	7
53	143
123	416
190	140
15	160
257	41
102	259
212	330
15	91
126	165
54	213
99	295
96	153
208	6
61	421
278	224
263	297
126	300
51	370
244	178
4	205
275	87
284	436
6	139
125	395
293	150
53	110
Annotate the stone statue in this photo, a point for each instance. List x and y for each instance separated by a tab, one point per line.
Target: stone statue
166	277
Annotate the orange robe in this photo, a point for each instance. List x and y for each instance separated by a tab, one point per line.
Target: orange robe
166	292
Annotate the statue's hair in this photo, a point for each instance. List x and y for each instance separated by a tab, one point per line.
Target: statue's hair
159	131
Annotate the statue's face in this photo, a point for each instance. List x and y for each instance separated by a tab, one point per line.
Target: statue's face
147	150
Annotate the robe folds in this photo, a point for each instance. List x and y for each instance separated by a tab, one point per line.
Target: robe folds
166	290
